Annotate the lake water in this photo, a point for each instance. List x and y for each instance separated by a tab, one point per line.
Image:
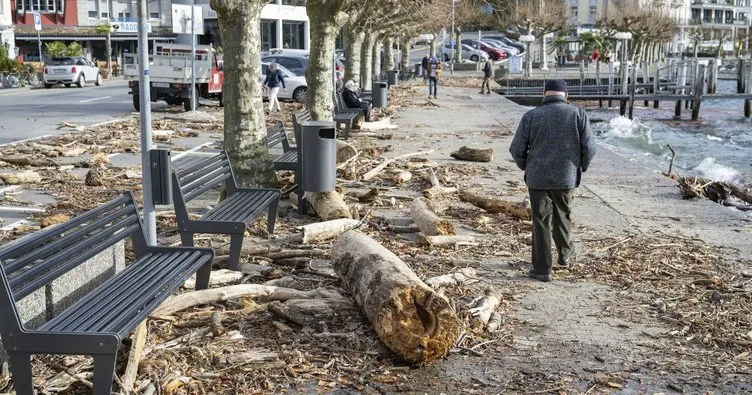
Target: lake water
718	146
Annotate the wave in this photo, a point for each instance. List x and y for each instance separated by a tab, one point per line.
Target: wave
708	168
622	130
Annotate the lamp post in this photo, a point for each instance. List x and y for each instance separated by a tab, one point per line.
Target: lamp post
451	40
528	39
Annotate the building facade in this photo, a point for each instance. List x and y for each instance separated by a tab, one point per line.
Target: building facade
284	24
7	36
719	23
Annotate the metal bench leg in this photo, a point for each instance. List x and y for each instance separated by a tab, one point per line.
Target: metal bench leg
20	368
104	372
202	276
236	245
187	239
271	219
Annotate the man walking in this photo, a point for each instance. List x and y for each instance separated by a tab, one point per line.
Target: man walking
487	69
424	68
434	72
554	145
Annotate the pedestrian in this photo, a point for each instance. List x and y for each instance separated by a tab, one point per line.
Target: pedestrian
596	55
353	101
609	56
272	82
424	68
434	72
487	69
554	145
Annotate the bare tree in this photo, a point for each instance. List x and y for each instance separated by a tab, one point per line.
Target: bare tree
537	18
245	126
647	24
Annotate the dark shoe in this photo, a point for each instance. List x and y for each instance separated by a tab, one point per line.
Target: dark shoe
481	92
434	96
538	276
488	93
570	260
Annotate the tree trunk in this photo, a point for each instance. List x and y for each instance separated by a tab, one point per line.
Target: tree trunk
433	44
108	44
353	53
245	126
324	30
544	53
405	58
376	57
388	55
412	320
457	47
366	59
495	205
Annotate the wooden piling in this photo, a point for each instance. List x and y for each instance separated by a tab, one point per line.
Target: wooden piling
712	73
622	107
633	82
747	90
645	79
657	84
741	74
677	109
699	91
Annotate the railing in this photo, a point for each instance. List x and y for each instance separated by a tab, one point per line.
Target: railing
716	21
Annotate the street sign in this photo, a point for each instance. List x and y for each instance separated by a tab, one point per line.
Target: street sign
128	27
181	19
37	21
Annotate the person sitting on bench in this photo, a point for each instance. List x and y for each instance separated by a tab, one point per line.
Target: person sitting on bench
353	101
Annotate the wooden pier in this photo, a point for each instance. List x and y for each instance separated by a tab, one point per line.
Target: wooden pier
687	83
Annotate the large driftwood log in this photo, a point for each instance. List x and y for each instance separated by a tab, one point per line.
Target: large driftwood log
134	357
328	205
205	296
320	231
495	205
218	277
436	189
428	222
444	240
412	320
473	154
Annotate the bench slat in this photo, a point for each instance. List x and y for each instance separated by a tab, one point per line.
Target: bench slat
256	201
199	182
29	288
209	184
68	240
201	164
235	210
231	202
186	179
21	246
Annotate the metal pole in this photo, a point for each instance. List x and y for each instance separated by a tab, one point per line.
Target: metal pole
39	43
144	92
451	40
194	99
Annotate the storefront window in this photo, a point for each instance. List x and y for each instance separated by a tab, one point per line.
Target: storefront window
268	34
299	3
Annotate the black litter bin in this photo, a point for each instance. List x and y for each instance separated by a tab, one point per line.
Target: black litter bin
418	70
379	94
392	77
319	156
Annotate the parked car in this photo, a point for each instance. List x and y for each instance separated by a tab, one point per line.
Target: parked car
296	60
511	51
468	52
296	86
424	38
508	41
71	70
493	53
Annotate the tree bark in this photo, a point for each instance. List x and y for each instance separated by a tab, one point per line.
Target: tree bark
245	125
433	44
355	40
328	205
428	222
415	322
544	53
366	59
322	17
376	56
108	44
405	59
494	205
388	64
320	231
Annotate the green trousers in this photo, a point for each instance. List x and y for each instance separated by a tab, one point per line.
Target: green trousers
552	209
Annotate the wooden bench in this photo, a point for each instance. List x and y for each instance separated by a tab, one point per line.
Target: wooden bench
232	215
96	323
290	157
346	118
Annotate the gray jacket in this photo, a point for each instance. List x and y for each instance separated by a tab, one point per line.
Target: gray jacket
554	144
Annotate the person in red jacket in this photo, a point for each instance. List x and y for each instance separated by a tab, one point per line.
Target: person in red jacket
595	55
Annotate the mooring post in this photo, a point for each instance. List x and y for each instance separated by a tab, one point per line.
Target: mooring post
623	69
677	109
632	92
657	84
622	107
712	72
747	90
741	74
699	91
645	78
582	75
598	76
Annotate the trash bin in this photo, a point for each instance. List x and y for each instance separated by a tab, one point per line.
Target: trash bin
379	94
392	77
319	156
418	70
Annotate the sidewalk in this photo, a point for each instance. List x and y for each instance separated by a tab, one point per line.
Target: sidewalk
593	324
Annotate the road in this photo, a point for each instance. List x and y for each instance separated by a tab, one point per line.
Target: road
26	114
